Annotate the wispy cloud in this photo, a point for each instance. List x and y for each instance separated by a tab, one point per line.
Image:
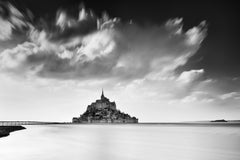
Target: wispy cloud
198	96
89	47
231	95
11	19
108	50
190	76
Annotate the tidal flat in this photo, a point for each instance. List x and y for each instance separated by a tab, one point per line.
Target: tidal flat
123	141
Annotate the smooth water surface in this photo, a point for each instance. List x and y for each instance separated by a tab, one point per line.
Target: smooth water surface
122	142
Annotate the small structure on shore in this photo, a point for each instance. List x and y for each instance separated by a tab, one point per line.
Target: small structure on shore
219	120
104	111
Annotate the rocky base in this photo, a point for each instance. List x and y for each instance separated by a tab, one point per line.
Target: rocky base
106	115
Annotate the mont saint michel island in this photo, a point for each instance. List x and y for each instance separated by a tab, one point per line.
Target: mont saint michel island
104	111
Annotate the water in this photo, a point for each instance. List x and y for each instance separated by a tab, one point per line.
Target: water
122	142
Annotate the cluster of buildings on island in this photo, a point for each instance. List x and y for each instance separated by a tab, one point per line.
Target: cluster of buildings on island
104	111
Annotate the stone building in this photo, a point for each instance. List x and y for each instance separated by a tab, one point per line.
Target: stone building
104	111
102	103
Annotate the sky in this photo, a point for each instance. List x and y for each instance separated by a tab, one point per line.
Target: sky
160	62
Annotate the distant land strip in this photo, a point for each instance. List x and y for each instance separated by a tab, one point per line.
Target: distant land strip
18	123
210	123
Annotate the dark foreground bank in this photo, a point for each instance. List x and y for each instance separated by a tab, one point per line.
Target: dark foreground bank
5	130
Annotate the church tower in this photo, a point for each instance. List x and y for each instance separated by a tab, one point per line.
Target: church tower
102	96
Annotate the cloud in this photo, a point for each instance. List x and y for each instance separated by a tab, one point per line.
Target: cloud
14	60
5	29
70	27
174	88
197	34
231	95
89	47
11	19
190	76
198	96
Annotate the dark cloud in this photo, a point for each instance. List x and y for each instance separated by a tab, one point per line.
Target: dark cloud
12	21
68	27
4	11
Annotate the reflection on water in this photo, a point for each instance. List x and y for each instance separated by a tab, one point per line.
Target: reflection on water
128	142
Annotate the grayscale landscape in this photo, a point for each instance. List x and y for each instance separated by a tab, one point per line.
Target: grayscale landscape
119	80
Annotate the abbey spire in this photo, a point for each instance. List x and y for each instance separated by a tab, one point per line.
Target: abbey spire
102	96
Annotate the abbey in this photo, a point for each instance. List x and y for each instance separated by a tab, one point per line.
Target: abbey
102	103
104	111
